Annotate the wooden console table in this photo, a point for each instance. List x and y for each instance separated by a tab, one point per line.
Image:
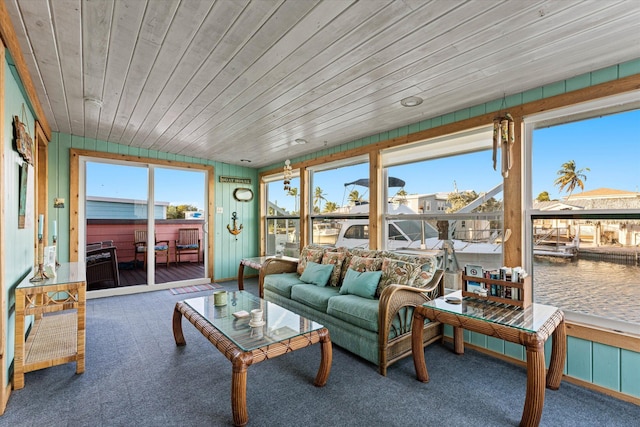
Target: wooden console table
530	327
58	333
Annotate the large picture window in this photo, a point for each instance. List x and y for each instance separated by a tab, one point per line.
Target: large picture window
282	225
339	203
444	193
584	217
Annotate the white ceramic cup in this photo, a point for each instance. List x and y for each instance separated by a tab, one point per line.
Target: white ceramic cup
256	315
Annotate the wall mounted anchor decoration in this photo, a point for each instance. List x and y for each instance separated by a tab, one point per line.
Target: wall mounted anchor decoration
235	230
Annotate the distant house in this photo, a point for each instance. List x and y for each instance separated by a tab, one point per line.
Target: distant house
115	208
626	233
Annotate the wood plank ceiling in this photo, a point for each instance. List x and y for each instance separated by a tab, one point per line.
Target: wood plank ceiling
235	79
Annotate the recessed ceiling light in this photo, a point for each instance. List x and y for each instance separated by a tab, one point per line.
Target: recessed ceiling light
96	102
300	141
245	160
411	101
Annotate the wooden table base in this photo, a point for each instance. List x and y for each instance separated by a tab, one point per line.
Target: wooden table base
534	344
242	360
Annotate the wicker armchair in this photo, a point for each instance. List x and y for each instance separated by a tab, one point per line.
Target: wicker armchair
102	265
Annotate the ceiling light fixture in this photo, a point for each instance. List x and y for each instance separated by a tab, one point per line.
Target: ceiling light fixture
245	160
96	102
300	141
411	101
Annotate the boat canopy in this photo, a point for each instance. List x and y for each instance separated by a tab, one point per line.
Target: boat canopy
364	182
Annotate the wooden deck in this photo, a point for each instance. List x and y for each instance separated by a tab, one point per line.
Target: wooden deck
138	276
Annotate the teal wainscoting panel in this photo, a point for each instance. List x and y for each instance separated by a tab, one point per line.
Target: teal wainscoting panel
630	372
513	100
494	105
606	366
554	89
102	146
579	82
466	335
629	68
532	95
604	75
478	339
514	350
495	344
448	118
461	115
477	110
579	358
448	330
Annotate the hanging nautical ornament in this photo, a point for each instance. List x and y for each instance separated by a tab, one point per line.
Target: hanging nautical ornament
504	137
288	174
235	230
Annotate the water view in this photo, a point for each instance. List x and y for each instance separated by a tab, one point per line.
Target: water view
597	288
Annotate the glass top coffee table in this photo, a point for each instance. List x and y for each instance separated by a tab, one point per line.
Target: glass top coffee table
282	332
530	327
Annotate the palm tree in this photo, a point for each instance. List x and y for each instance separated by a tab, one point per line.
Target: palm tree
318	197
355	197
543	197
294	192
570	177
402	196
330	207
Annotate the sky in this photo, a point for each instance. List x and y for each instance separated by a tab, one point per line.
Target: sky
130	182
609	146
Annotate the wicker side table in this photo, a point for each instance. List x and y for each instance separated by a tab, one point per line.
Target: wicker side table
55	338
530	327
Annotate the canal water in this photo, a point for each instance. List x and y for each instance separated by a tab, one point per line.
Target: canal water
597	288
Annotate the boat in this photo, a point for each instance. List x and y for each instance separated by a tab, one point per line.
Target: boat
325	233
417	236
553	245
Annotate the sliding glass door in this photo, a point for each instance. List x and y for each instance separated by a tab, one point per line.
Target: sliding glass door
144	224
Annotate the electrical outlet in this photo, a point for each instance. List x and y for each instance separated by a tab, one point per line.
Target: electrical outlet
219	210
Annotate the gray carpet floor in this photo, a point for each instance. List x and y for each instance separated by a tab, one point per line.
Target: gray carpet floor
136	376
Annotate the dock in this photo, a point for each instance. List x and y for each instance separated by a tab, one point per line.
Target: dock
629	255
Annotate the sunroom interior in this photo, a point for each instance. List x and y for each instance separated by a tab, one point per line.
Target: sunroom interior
97	114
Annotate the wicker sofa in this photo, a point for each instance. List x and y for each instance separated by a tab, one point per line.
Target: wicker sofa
378	327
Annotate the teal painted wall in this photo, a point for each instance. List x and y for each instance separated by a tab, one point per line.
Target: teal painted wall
606	366
19	260
227	250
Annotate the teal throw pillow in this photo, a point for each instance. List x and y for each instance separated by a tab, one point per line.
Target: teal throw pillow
363	284
317	274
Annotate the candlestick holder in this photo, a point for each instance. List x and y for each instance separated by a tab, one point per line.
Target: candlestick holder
55	246
40	274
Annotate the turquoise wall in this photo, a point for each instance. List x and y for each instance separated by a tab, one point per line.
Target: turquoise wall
610	367
227	250
600	364
18	244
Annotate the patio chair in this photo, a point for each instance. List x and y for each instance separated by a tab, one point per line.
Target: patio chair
188	242
161	247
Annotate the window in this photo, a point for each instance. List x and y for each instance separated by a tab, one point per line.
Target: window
445	189
282	217
339	201
584	216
